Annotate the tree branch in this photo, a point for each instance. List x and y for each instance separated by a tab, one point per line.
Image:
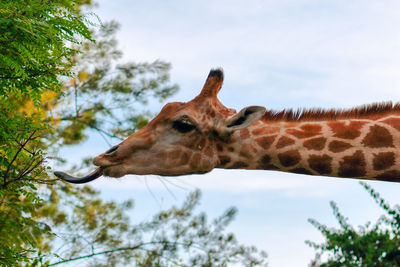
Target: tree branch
96	254
91	126
15	157
118	249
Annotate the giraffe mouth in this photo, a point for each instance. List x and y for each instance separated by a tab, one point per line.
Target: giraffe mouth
76	180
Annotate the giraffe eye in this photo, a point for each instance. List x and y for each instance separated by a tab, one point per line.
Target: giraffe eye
183	126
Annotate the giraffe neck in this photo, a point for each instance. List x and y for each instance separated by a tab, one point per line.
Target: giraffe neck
364	148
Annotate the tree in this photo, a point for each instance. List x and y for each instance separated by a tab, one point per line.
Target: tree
107	96
99	233
34	47
33	53
44	221
370	245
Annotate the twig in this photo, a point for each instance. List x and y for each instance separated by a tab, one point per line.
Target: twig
92	127
166	187
15	157
95	254
22	174
76	99
24	148
104	138
104	132
124	249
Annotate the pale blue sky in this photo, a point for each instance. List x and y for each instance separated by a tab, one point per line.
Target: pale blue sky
279	54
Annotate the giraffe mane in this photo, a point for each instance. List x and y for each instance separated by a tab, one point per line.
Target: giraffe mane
313	114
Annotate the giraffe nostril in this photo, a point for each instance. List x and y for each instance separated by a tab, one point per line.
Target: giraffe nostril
111	151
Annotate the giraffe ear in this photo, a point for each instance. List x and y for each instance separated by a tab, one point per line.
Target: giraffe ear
244	118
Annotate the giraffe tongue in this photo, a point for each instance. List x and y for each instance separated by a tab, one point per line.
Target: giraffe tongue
75	180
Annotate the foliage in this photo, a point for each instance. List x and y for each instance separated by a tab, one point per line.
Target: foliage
370	245
34	49
98	233
33	53
44	221
108	96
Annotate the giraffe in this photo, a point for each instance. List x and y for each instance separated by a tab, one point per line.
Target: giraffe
202	134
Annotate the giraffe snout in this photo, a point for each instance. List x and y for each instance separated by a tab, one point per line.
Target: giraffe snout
107	158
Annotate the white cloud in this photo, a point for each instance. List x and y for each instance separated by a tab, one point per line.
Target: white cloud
286	53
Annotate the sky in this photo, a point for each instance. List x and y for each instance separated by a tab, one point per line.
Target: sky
277	54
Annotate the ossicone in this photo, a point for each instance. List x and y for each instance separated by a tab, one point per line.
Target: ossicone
213	83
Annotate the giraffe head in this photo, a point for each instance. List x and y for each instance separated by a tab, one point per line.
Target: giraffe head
181	139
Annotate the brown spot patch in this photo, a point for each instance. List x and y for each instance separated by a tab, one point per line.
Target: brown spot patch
162	155
350	131
307	130
205	164
264	163
219	147
284	141
265	141
244	134
315	143
174	154
378	136
265	160
383	160
271	167
195	161
289	158
238	165
394	122
352	166
184	158
209	152
300	171
390	176
223	160
265	130
338	146
321	164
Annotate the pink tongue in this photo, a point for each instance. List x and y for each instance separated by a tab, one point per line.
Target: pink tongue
75	180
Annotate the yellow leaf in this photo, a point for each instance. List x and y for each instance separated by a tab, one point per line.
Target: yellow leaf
83	76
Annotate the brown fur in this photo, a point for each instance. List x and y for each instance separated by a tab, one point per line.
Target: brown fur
266	141
284	141
289	158
353	165
391	176
264	161
315	143
238	165
394	122
318	114
378	137
300	171
306	131
383	160
223	160
338	146
350	131
321	164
